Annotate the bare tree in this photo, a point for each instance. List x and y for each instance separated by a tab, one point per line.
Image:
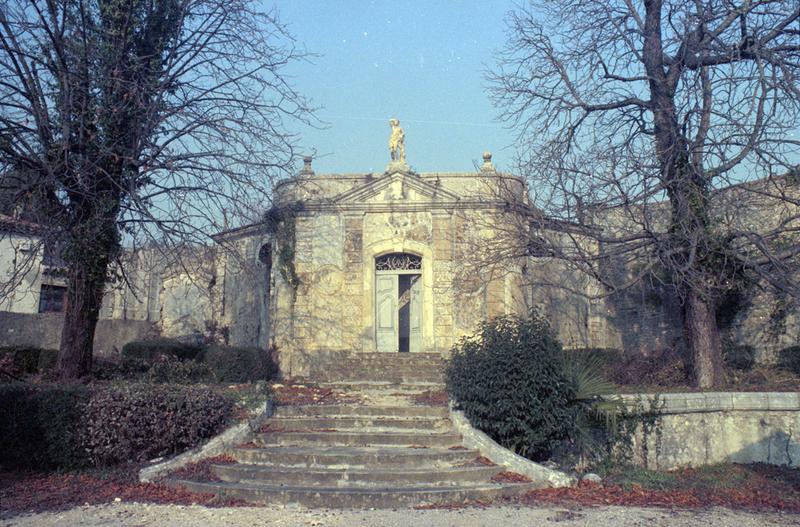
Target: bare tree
140	120
637	116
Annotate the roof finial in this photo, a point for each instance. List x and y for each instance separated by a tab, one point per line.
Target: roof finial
487	162
307	170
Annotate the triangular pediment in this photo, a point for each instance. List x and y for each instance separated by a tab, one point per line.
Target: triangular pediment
397	187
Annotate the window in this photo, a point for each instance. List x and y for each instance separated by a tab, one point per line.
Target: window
52	299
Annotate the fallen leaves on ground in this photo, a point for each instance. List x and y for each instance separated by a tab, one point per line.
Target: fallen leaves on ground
44	492
510	477
431	398
307	394
757	487
479	461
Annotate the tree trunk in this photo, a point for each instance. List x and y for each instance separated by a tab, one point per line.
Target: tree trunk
703	340
84	299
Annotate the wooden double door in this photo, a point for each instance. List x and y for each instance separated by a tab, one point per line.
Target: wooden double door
398	305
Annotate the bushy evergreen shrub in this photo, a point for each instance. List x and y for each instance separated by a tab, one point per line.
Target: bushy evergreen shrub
510	381
738	357
240	364
789	359
151	350
41	427
47	360
104	369
180	372
143	421
24	358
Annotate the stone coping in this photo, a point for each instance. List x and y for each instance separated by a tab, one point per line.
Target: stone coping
682	403
475	439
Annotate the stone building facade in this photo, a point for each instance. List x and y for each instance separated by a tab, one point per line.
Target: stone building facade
391	262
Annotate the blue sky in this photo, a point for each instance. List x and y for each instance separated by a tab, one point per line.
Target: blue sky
419	61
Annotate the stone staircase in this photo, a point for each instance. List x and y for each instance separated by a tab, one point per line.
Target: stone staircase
384	451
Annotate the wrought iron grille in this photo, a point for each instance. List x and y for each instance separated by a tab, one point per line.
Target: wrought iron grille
398	262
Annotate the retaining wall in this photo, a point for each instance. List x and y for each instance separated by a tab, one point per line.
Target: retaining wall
694	429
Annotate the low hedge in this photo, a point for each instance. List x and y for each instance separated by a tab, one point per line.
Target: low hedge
789	359
162	360
29	359
180	372
47	360
151	350
240	364
45	427
24	358
143	421
128	370
42	427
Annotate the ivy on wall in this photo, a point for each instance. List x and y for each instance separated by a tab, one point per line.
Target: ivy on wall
281	224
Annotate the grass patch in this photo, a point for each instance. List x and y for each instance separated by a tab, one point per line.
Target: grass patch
722	476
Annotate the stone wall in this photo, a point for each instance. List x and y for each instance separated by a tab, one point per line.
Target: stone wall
695	429
243	279
43	330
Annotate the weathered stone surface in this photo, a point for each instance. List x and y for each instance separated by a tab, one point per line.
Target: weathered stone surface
694	429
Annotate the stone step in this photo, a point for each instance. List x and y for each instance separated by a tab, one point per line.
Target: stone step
443	439
357	375
392	357
354	498
350	410
393	364
404	388
353	458
371	424
406	384
404	366
358	478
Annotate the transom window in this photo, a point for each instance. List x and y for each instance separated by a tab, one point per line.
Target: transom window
398	262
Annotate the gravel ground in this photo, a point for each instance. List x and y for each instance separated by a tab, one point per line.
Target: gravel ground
141	515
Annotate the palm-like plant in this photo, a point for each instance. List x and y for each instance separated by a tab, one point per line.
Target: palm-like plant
597	409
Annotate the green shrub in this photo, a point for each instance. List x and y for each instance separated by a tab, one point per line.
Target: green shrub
599	417
143	421
151	350
789	359
125	370
24	358
47	360
738	357
61	411
239	364
41	427
180	372
510	381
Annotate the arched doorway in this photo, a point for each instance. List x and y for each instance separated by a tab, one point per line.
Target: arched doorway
398	302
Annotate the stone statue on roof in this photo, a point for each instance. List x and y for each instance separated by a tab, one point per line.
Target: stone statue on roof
397	147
